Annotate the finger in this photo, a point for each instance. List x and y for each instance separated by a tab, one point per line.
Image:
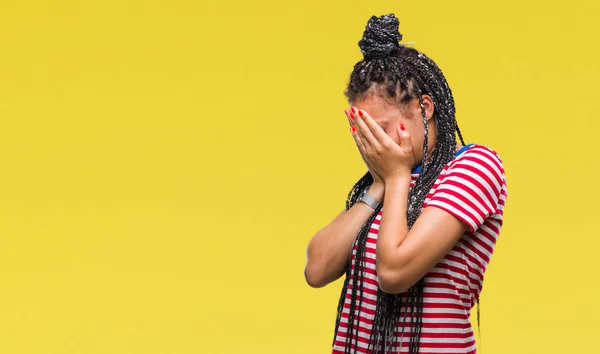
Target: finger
359	142
365	133
349	116
375	129
405	142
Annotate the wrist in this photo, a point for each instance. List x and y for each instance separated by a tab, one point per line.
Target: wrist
398	183
377	190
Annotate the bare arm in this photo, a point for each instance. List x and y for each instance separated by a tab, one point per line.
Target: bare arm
329	249
404	256
471	190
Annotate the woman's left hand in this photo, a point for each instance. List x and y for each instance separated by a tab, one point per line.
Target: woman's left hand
389	159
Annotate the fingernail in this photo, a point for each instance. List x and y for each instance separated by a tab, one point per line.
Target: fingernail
351	115
401	126
360	113
353	110
353	129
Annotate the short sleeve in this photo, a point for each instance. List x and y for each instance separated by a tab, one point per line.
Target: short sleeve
472	187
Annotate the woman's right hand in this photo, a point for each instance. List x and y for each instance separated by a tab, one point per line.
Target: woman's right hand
378	187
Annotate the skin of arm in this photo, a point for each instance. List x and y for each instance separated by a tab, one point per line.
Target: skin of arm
330	248
403	256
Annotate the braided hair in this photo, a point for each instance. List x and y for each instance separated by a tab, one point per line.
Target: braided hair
398	74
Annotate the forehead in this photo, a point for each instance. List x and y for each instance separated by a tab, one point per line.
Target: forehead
378	108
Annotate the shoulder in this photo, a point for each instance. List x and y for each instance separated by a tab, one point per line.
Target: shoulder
477	174
481	161
473	186
482	154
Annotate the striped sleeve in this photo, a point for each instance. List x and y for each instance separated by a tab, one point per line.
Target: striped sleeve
471	187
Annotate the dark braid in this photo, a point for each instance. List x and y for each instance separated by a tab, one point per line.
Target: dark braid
462	141
399	75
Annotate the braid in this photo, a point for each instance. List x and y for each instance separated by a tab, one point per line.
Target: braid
399	75
354	270
462	141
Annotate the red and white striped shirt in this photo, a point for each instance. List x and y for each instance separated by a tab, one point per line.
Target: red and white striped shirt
472	187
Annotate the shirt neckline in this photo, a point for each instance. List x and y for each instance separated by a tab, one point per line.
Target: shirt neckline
463	149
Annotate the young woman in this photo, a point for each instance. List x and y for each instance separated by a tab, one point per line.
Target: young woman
414	269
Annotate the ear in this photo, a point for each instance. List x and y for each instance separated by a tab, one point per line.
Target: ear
429	106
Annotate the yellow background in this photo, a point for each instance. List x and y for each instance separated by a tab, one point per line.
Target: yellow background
164	164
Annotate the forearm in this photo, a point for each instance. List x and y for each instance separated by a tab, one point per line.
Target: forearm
393	229
329	249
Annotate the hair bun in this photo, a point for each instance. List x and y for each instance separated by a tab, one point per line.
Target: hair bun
381	36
